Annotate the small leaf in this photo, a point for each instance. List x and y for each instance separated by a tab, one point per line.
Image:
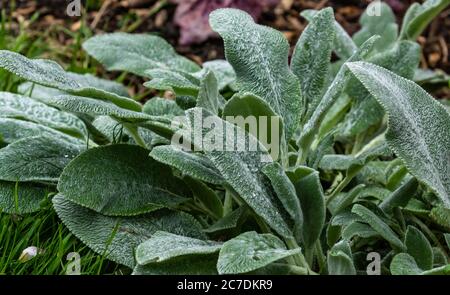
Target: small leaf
208	95
441	216
259	55
312	202
416	136
419	16
117	237
378	225
358	229
178	82
222	69
163	107
382	23
164	246
120	180
419	248
344	47
340	260
206	196
227	222
36	159
250	251
285	191
311	58
192	164
404	264
136	53
401	196
21	198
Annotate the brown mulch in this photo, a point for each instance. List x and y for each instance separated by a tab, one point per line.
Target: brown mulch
114	15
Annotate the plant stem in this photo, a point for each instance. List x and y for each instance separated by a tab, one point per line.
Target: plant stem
228	203
135	134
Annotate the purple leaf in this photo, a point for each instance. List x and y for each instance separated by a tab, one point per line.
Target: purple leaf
192	16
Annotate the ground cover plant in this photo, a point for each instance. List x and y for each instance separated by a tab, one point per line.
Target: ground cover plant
353	165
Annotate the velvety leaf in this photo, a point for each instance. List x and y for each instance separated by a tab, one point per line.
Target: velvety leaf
312	202
250	251
21	198
358	229
158	106
344	200
184	265
120	180
136	53
117	237
208	95
332	94
418	126
419	248
419	16
50	74
259	55
268	126
441	216
86	105
241	168
378	225
404	264
12	130
176	81
229	221
447	240
164	246
222	69
192	164
400	197
383	23
344	47
311	58
207	197
340	261
285	191
18	106
36	159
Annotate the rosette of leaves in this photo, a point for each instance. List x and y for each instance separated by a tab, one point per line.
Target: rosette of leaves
363	162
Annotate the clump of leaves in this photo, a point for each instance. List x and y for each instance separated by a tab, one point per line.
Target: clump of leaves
363	163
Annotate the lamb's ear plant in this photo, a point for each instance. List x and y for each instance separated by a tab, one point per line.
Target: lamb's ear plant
356	160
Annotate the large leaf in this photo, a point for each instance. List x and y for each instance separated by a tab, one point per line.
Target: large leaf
136	53
240	166
259	55
382	23
117	237
250	251
418	126
164	246
50	74
21	198
36	159
404	264
192	164
18	106
419	16
311	58
120	180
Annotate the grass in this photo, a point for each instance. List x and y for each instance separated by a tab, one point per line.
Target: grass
43	229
